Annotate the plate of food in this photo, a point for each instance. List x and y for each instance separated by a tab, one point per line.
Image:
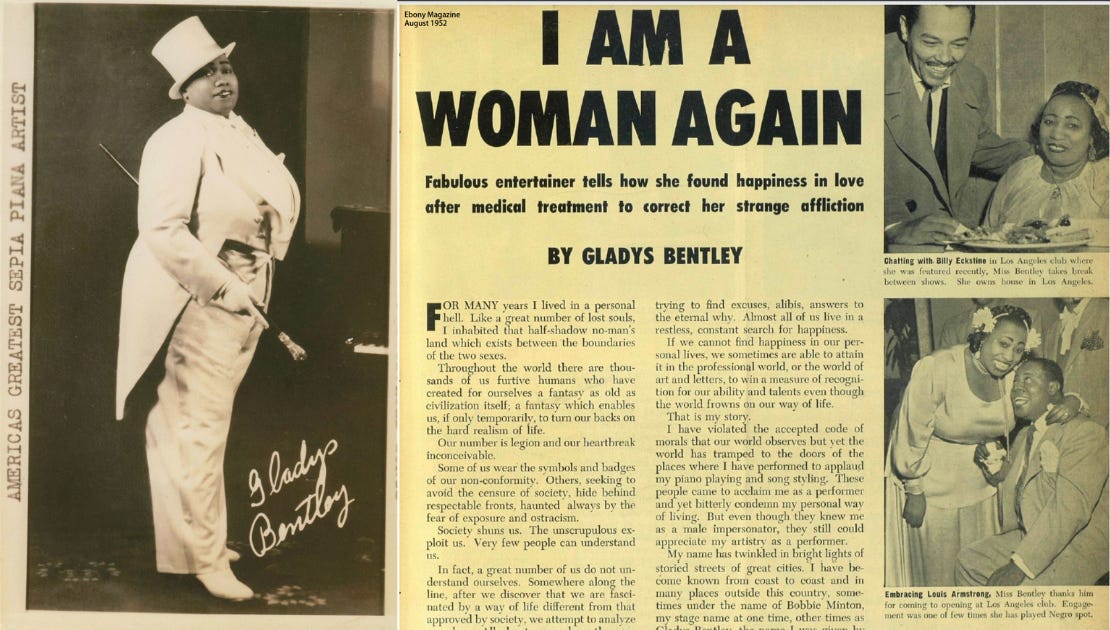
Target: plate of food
1058	235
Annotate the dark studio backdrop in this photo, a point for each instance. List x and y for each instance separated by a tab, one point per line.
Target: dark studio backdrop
315	84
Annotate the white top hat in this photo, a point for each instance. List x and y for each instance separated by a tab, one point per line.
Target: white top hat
185	49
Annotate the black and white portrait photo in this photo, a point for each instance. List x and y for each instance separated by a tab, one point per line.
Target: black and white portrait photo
209	401
996	468
995	128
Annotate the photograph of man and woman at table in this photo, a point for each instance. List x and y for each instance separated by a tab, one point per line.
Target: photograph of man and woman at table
995	127
996	443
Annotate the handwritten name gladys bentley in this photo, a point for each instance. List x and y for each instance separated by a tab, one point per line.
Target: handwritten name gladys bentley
263	535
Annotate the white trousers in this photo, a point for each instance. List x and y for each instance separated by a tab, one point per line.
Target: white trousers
207	356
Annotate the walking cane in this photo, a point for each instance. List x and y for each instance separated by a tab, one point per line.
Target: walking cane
295	350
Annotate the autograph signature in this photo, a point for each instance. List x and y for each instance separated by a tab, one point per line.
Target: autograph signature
264	536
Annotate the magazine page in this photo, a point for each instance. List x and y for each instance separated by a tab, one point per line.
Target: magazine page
198	243
753	316
646	297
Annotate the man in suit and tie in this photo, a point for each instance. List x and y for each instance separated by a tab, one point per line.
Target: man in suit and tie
938	126
1053	489
1077	342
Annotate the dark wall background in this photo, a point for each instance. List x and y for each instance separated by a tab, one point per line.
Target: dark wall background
344	108
96	82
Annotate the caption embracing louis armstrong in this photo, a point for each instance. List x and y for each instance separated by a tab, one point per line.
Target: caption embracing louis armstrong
825	115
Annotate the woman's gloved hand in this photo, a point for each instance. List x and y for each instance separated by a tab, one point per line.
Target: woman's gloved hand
914	510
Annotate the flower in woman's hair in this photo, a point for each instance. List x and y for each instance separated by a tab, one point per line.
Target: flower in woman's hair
983	320
1033	340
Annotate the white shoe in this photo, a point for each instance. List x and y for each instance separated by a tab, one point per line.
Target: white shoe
225	585
232	555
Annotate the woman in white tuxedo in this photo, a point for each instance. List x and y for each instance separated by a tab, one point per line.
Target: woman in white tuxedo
216	209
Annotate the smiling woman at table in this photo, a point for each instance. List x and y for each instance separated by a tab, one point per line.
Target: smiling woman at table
1068	175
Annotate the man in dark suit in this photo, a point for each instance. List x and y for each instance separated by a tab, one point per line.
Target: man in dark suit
938	126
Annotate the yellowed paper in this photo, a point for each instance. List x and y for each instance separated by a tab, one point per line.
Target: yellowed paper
645	323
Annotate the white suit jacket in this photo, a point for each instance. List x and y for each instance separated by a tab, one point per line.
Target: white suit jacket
200	183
